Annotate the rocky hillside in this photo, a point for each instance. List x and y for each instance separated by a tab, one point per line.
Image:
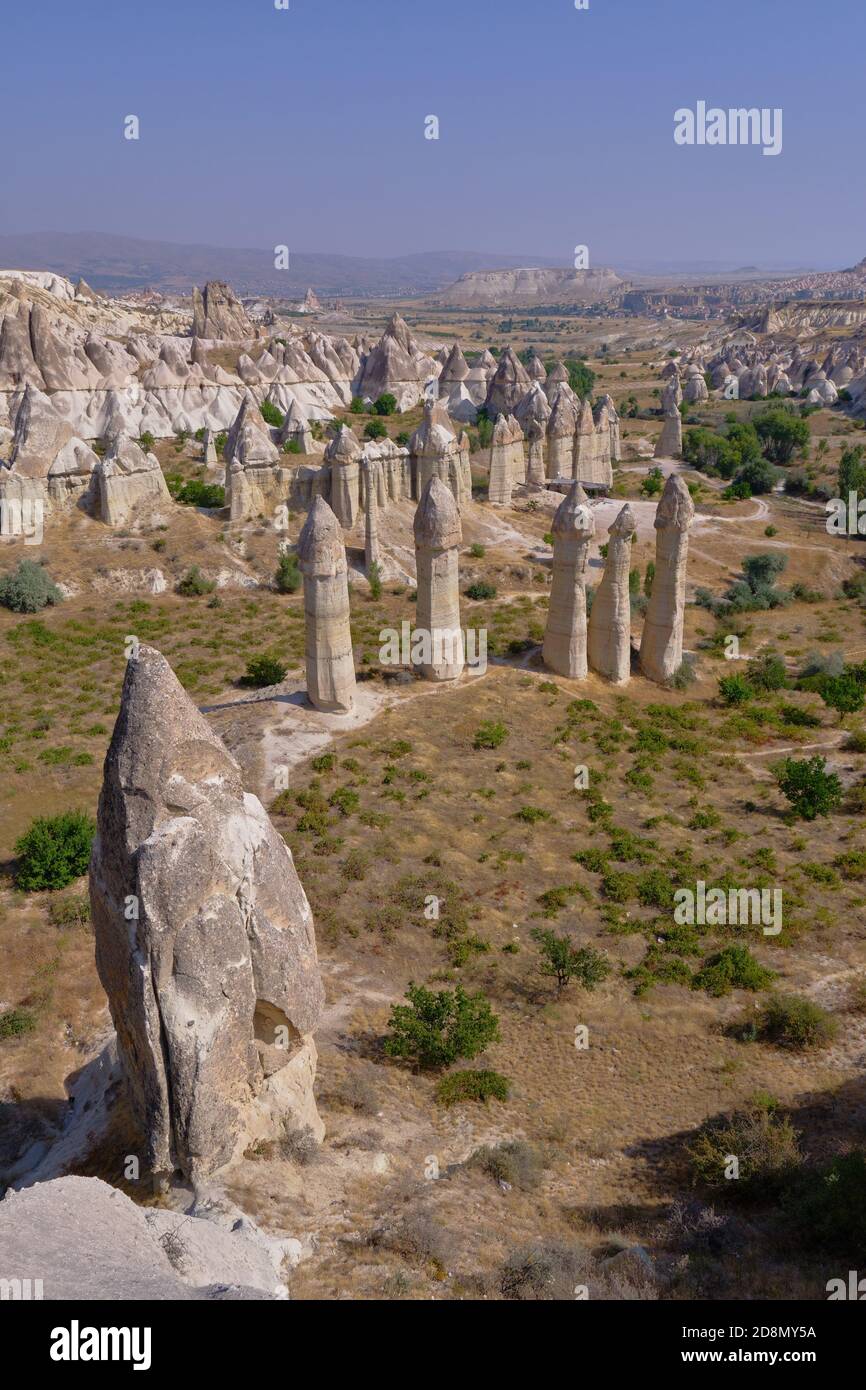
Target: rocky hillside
528	286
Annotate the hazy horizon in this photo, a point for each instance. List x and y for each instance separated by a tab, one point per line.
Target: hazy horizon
305	127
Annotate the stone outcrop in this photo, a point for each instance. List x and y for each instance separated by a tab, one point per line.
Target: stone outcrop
564	649
218	313
322	560
508	385
556	377
609	647
500	480
371	474
533	414
436	451
661	648
254	474
583	463
296	429
395	366
208	449
561	428
670	441
343	456
438	536
129	483
204	936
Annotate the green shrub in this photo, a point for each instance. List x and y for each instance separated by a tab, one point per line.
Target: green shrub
271	415
28	588
199	494
765	1145
374	579
811	790
386	404
436	1028
14	1022
789	1021
357	406
54	851
565	962
735	690
459	1086
767	672
827	1205
194	584
734	967
288	578
264	670
477	551
481	590
490	735
146	441
515	1162
374	429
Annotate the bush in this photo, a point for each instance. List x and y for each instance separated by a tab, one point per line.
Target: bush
386	404
54	851
477	551
811	790
288	578
357	406
264	670
146	441
271	415
374	429
765	1145
653	483
458	1086
490	735
827	1206
545	1271
735	690
198	494
789	1021
565	962
843	693
514	1162
781	432
194	584
481	589
374	579
732	968
28	588
15	1022
435	1028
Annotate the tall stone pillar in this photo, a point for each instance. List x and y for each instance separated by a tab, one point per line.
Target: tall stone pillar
501	480
561	428
610	619
343	454
322	559
661	648
371	471
573	527
438	535
670	443
583	465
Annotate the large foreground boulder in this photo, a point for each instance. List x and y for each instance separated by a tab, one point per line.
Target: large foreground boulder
204	936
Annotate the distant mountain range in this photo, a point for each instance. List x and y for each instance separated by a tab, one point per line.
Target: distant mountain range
115	264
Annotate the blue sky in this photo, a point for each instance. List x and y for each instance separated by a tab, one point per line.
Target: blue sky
306	126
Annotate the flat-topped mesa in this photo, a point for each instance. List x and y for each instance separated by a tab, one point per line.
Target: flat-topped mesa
128	482
573	528
561	429
371	475
218	313
322	561
609	646
296	430
343	456
438	535
500	481
508	384
204	937
533	414
661	648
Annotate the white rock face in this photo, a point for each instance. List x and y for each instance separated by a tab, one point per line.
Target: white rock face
564	648
609	648
661	648
561	428
204	936
395	366
129	483
343	455
438	536
330	663
508	385
501	480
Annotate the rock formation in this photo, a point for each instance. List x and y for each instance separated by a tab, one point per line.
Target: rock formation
561	428
564	648
218	313
438	535
330	663
129	483
556	377
533	413
208	449
609	649
204	936
435	451
395	366
254	477
296	429
343	456
509	383
583	465
661	648
370	469
670	443
500	481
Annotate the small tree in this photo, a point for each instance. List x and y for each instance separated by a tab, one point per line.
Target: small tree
357	406
194	584
652	483
374	579
264	670
271	415
811	790
435	1028
781	433
565	962
386	404
28	588
374	429
288	578
843	693
54	851
735	690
